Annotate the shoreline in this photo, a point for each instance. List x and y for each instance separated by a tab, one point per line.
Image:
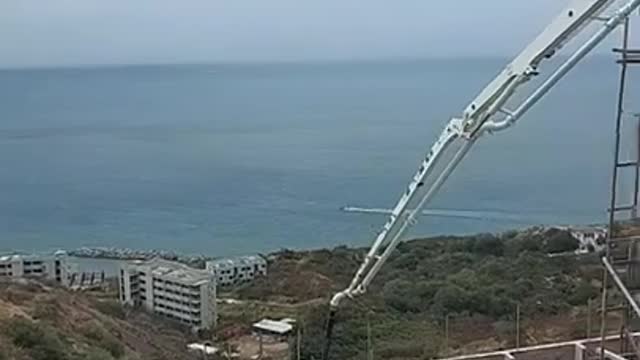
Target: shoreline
583	233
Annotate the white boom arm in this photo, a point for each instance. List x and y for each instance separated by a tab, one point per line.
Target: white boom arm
486	114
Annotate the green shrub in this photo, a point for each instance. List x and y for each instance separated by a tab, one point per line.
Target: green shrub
450	299
46	311
104	340
111	308
113	346
582	293
505	329
24	333
98	354
488	244
401	350
561	241
42	342
402	296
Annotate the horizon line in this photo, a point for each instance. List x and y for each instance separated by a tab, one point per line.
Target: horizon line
364	60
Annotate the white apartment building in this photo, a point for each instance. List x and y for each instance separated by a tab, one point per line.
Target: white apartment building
170	289
237	270
54	267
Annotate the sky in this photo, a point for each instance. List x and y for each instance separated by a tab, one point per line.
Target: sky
83	32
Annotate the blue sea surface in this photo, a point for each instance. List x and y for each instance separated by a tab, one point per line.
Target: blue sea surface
233	159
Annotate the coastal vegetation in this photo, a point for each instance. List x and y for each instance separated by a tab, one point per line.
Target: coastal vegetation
435	297
440	296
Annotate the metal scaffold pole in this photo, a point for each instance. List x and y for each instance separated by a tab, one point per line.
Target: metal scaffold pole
621	257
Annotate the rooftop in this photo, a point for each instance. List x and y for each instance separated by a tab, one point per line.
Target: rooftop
173	271
205	348
29	257
240	260
278	327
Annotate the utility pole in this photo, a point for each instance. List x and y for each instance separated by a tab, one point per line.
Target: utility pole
446	335
369	343
517	325
589	318
298	340
260	350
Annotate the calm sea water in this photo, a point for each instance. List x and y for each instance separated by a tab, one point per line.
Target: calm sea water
231	159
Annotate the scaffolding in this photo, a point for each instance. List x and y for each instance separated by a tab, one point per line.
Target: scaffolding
620	313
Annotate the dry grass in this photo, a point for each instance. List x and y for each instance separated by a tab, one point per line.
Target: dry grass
88	324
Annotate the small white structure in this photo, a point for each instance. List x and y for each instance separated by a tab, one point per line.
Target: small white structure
170	289
273	327
237	270
52	267
203	348
591	238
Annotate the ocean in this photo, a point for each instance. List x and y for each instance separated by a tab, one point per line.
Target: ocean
233	159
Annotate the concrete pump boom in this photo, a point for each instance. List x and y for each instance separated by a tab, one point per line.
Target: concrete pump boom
485	114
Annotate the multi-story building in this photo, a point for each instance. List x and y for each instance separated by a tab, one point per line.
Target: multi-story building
54	267
170	289
237	270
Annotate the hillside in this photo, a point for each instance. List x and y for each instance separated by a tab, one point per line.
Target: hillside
40	322
435	297
470	285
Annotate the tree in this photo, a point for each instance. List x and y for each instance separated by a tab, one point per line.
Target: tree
402	295
561	241
450	299
488	244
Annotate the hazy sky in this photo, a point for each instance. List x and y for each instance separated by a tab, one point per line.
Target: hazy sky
68	32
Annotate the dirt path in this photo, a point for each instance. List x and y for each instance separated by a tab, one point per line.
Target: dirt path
312	302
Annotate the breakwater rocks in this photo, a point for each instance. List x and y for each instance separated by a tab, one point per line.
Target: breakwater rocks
135	254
